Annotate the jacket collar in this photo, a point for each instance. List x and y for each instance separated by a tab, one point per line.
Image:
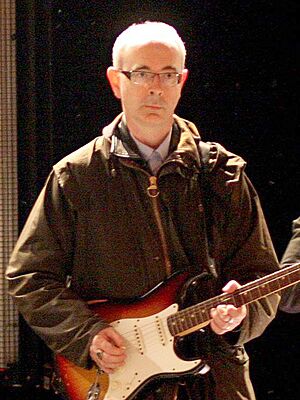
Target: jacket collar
183	147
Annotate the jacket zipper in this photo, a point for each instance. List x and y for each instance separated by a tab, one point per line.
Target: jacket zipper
153	193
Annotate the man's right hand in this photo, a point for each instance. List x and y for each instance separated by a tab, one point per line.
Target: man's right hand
108	350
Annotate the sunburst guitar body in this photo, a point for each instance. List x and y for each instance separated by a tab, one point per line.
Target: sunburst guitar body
150	327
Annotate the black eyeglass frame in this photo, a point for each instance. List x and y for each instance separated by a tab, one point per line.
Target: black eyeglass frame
129	73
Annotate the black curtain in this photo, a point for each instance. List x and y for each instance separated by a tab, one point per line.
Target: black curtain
35	98
35	142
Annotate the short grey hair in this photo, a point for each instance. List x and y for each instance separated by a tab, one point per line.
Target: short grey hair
144	33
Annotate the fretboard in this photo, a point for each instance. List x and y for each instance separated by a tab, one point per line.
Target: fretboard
197	316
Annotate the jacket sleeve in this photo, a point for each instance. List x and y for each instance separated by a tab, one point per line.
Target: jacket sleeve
37	274
290	299
242	247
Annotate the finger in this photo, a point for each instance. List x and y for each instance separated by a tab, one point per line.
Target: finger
218	319
117	339
239	314
231	286
107	370
226	312
105	350
231	312
111	361
222	313
110	340
112	348
221	321
231	315
219	330
108	363
106	358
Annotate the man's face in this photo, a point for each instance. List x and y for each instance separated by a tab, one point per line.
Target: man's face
149	105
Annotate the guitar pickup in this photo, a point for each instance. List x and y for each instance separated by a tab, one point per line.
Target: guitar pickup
139	340
160	330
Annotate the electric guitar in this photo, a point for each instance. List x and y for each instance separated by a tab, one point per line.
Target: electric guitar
149	327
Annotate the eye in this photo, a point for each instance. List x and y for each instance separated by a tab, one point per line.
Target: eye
169	75
140	74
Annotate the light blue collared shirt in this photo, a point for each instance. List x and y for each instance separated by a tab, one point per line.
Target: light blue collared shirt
154	157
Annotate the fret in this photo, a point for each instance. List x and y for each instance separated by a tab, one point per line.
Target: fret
243	298
274	285
285	279
171	321
205	314
182	321
202	314
255	293
183	316
194	317
188	323
235	300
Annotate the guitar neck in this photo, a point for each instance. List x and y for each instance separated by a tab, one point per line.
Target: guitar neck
197	316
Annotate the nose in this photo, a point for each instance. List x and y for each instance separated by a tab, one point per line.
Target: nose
155	86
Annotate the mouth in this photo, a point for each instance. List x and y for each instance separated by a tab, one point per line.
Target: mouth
153	106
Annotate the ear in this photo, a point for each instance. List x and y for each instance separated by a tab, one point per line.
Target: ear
113	77
185	74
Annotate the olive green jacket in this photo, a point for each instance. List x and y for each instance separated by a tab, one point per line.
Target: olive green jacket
102	219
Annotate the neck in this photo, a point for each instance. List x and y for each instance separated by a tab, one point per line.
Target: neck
151	136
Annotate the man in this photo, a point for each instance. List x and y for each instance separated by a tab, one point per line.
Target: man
144	200
290	300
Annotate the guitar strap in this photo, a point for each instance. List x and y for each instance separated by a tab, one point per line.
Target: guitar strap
204	274
206	195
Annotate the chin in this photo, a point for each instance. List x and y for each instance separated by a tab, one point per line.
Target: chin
157	116
154	120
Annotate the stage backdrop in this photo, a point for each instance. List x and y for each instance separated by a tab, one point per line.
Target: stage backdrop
8	178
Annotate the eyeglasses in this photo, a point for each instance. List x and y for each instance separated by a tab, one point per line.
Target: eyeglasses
167	79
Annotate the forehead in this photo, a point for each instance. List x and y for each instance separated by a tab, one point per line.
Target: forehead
154	56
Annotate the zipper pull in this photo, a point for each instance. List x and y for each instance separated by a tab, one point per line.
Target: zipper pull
153	189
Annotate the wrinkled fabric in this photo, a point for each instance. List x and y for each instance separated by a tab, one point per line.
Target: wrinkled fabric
290	299
95	222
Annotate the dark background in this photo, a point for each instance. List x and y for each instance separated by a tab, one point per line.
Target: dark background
241	92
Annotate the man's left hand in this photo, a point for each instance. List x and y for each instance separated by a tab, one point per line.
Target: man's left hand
226	317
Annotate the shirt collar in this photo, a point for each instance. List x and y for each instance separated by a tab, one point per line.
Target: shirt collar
147	151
